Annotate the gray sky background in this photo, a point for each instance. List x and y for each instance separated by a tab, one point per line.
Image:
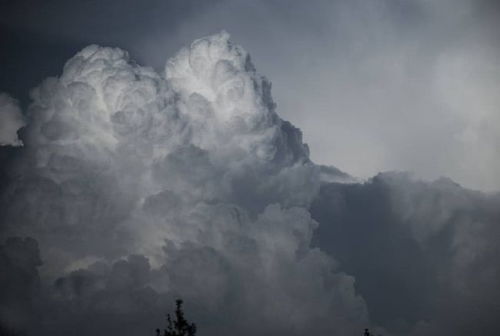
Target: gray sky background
374	85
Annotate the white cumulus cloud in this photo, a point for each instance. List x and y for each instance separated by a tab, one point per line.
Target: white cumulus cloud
191	170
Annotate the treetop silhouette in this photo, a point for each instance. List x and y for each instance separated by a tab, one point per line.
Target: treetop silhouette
180	326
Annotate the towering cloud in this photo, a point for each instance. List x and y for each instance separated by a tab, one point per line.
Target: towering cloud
193	178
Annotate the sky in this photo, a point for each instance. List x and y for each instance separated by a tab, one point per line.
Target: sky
285	167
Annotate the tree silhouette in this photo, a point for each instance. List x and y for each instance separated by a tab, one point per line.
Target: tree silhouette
180	326
367	333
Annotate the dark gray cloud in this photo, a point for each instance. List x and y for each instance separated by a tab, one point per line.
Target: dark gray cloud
423	254
11	120
20	282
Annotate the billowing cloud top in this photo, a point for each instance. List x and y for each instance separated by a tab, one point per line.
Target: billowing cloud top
138	187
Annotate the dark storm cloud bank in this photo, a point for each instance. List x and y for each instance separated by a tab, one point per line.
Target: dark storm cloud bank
424	255
138	187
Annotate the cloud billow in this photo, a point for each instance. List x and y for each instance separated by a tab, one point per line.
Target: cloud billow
141	186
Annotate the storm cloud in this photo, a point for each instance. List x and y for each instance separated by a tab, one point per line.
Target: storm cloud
193	176
136	185
422	253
